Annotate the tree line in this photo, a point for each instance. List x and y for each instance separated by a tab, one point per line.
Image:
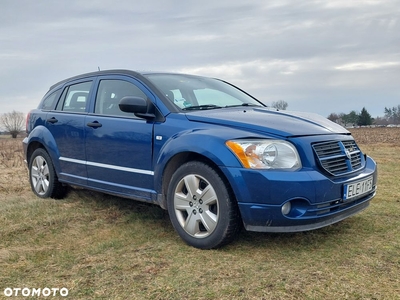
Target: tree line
354	118
363	118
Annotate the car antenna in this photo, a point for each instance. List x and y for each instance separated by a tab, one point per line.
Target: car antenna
98	68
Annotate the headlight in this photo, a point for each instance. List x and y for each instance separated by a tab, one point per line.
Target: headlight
266	154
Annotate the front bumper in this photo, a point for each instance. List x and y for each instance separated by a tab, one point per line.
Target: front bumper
316	200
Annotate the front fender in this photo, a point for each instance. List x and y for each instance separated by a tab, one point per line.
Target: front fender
209	143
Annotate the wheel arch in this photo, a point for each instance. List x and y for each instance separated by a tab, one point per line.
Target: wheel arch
205	145
181	158
31	148
41	137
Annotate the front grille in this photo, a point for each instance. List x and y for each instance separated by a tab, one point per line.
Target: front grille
339	157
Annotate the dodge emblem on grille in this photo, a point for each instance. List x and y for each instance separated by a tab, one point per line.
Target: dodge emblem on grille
347	154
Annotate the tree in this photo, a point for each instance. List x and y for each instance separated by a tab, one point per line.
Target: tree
13	122
351	118
393	114
380	121
280	105
364	119
334	117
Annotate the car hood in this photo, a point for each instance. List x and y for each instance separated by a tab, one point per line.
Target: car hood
282	123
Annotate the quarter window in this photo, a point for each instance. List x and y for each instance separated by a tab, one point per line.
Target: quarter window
50	101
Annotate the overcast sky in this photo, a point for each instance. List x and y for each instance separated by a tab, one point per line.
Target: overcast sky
320	56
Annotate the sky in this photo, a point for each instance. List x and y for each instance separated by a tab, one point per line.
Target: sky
320	56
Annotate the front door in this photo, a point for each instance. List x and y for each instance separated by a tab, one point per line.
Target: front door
118	144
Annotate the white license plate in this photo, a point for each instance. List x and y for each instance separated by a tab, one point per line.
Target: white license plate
358	188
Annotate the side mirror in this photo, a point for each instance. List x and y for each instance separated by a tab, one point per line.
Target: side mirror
137	105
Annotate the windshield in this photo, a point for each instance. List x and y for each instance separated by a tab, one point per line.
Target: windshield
196	93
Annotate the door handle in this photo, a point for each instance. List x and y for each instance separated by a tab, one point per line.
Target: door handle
94	124
52	120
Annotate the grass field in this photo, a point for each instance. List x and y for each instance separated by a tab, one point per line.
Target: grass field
103	247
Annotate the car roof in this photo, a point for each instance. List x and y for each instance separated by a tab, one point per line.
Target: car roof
135	74
98	73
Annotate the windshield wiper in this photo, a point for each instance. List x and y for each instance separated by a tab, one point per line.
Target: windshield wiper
243	104
200	107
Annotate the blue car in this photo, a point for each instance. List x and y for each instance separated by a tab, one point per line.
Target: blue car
212	155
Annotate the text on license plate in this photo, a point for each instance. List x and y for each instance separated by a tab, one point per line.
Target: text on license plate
358	188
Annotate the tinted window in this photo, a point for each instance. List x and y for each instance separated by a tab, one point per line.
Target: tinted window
75	97
110	94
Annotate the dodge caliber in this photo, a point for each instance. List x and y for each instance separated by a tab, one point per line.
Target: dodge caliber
208	152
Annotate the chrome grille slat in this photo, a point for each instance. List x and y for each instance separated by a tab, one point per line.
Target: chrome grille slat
339	157
328	150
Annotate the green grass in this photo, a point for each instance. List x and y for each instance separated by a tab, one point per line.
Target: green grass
103	247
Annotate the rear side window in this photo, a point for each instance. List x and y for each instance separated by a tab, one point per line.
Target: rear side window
75	97
110	93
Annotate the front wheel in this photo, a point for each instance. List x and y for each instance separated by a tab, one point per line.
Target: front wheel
42	176
201	206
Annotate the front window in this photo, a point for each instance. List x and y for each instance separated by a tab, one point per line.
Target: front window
193	92
110	93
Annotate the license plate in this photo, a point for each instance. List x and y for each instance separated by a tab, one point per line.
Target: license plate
358	188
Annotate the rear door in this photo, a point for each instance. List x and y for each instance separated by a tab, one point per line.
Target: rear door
67	125
118	144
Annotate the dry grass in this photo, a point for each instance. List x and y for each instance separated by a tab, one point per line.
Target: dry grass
11	167
102	247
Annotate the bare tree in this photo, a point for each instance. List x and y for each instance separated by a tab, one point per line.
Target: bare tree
280	105
13	122
393	114
334	117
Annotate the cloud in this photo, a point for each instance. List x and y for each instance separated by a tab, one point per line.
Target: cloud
320	56
371	65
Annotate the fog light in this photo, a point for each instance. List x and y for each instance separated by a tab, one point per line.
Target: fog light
286	208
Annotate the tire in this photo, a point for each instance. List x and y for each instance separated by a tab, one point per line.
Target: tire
201	206
42	176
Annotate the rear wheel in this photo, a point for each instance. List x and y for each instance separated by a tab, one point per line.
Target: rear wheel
201	206
42	176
